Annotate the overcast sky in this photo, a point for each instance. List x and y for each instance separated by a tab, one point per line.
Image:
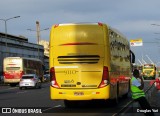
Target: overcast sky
131	17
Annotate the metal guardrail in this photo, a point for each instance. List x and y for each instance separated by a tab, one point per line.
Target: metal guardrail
126	107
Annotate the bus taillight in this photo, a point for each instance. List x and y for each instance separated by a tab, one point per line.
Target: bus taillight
4	73
53	78
105	77
100	24
55	26
21	73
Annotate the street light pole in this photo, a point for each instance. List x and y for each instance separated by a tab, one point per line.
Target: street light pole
5	21
38	33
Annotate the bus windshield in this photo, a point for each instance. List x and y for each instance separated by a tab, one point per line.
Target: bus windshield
66	35
148	66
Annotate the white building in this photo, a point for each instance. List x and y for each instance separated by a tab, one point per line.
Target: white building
46	53
46	46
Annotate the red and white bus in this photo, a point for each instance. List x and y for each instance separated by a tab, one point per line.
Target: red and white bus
15	67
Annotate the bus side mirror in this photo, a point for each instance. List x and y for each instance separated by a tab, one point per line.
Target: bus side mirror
132	57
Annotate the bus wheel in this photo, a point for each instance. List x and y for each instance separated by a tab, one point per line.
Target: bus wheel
69	104
127	94
117	95
116	100
13	84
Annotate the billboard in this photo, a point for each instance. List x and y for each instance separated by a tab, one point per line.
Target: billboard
136	42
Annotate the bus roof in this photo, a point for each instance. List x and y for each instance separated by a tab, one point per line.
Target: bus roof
23	58
87	23
81	23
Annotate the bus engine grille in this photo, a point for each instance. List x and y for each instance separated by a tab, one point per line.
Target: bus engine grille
91	59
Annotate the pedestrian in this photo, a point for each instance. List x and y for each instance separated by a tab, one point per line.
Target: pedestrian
138	94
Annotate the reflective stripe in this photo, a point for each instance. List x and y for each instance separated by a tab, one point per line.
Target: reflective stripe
137	95
136	92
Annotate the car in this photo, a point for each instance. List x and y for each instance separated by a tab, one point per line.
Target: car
30	80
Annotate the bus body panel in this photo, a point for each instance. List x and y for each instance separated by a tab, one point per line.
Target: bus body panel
79	76
81	50
76	66
79	94
65	34
120	63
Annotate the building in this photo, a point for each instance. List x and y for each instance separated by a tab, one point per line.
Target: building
46	46
46	52
18	46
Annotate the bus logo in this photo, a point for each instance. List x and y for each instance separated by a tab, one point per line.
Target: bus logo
68	72
69	81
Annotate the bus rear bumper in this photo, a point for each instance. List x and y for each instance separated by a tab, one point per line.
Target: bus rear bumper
11	80
79	94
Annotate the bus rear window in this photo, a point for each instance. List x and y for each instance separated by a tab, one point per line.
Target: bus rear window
12	68
27	77
149	67
81	34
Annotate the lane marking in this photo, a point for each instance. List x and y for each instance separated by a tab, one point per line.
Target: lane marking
21	92
57	106
9	88
52	108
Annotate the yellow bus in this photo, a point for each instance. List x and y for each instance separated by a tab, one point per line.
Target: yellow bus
149	71
88	61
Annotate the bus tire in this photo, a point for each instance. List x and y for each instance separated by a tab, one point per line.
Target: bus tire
13	84
69	104
126	94
116	101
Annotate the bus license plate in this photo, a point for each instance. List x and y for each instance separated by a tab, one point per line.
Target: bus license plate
78	93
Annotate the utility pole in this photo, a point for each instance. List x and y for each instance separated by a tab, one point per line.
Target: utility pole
38	31
38	34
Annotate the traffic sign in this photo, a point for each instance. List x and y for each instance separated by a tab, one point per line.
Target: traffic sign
136	42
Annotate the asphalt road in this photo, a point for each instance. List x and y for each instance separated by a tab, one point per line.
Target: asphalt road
12	97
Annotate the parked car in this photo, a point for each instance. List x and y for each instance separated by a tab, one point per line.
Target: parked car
29	80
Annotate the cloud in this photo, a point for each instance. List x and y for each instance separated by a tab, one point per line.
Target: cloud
131	17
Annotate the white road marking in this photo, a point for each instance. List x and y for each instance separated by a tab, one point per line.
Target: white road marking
57	106
52	108
21	92
9	88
